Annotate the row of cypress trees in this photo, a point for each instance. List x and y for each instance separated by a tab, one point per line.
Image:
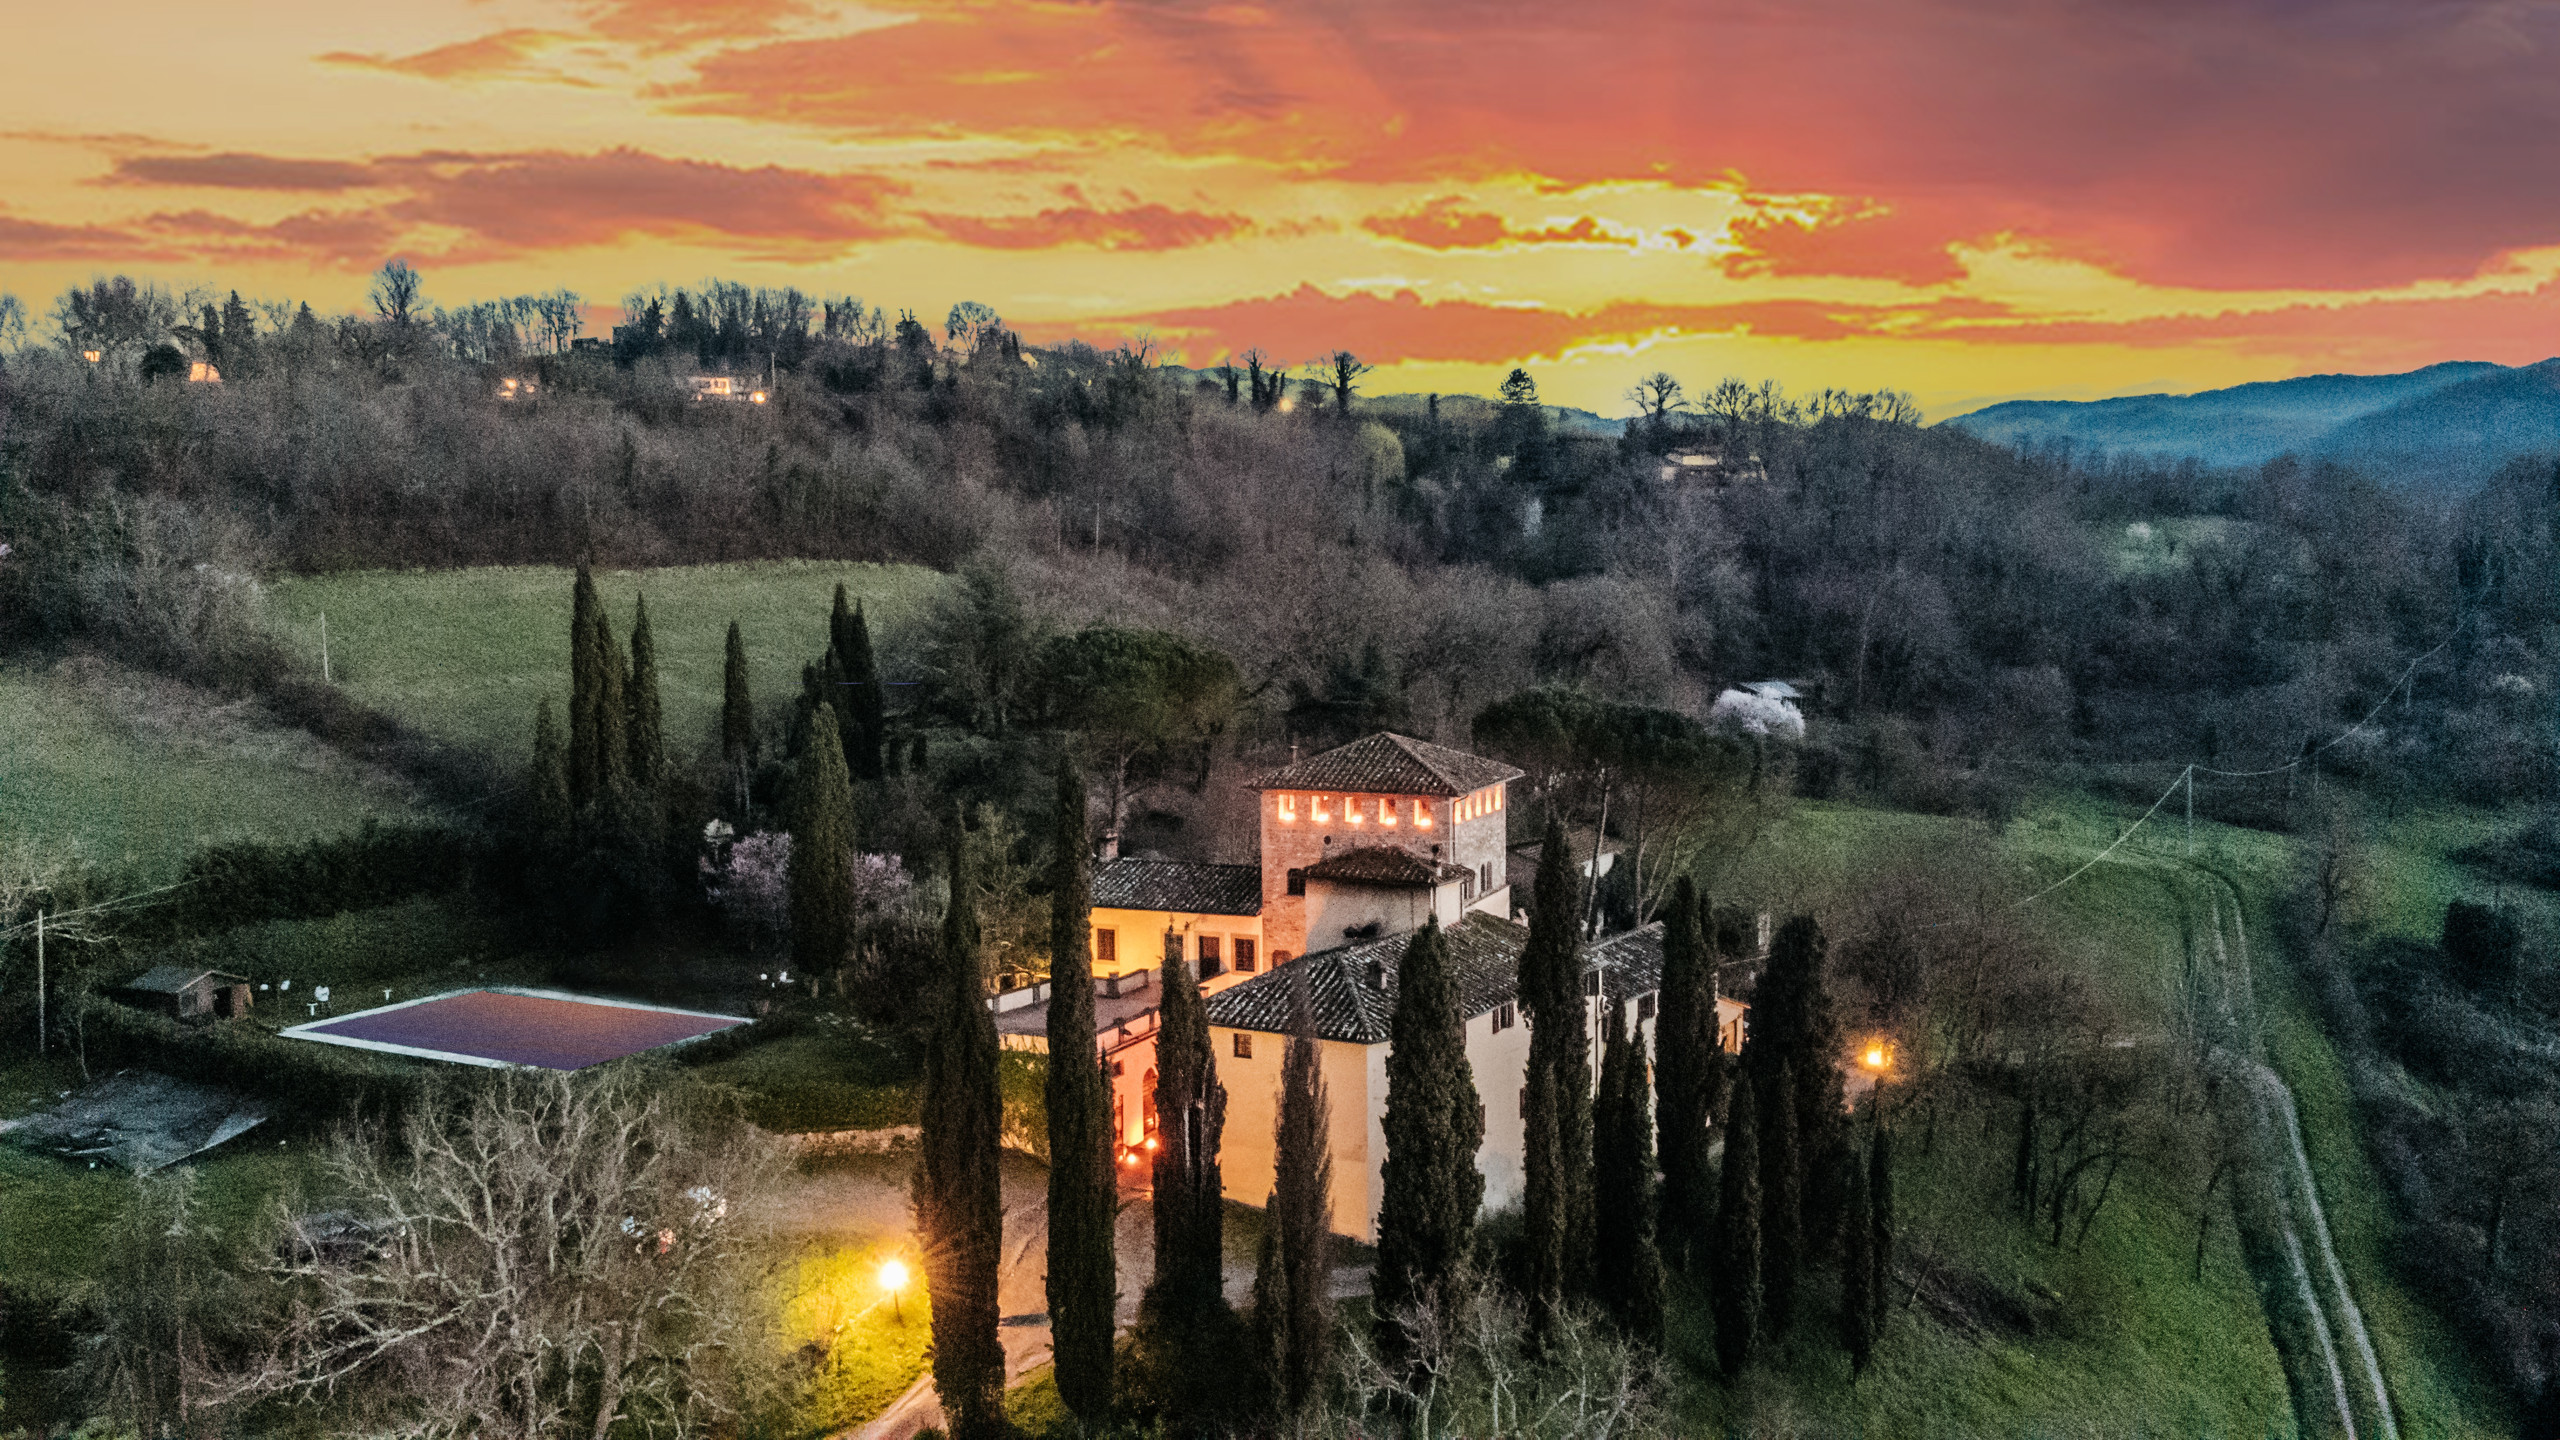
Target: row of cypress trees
615	751
1597	1229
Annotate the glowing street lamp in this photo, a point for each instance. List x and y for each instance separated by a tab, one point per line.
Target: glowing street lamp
893	1278
1876	1058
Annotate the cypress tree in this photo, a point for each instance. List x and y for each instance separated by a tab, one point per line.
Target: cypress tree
1880	1219
737	706
646	734
1737	1239
1184	1325
958	1200
613	730
1858	1280
1557	1207
821	851
870	696
1791	1022
1083	1191
553	815
1688	1072
586	681
1781	1203
1626	1266
1292	1301
1433	1127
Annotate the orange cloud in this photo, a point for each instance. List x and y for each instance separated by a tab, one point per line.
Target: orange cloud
1389	329
501	55
557	201
667	24
1443	223
1137	227
233	170
30	241
1866	244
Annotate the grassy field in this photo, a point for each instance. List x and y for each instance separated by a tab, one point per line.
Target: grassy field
465	654
133	770
2162	1354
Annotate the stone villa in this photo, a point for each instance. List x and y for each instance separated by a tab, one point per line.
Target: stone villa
1359	846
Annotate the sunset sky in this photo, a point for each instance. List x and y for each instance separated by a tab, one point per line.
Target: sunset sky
1967	200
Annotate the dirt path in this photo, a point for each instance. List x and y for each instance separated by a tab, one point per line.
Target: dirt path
2326	1297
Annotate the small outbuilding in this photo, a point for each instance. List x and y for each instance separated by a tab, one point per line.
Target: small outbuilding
184	992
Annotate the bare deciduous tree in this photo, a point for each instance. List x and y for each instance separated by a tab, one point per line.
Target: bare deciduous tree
395	290
540	1252
1471	1367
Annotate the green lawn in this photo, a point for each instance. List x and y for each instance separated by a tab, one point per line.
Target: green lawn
141	773
862	1346
465	654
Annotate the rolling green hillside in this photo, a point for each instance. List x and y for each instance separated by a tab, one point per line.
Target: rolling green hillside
133	770
465	654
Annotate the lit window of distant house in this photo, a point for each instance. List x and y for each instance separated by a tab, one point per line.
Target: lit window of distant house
1244	1046
1106	947
1210	963
1245	957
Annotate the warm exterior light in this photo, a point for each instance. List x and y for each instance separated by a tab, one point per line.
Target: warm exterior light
1876	1056
91	356
893	1278
1151	1142
757	398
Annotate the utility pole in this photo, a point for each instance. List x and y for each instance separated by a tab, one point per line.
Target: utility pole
2191	812
39	982
324	647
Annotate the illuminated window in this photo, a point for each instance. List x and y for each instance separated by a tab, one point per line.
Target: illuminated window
1351	809
1497	799
1316	810
1386	812
1421	814
1288	809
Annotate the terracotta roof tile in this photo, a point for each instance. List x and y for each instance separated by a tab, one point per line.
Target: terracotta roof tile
1389	764
1180	887
1354	986
1383	865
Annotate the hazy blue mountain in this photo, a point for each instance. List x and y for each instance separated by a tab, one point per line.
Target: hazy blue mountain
2447	426
2455	436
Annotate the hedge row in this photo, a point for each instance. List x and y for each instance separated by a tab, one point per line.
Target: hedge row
376	865
303	1079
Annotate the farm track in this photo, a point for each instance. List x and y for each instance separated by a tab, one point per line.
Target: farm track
2327	1298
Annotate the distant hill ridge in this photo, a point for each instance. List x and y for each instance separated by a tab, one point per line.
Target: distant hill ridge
2446	427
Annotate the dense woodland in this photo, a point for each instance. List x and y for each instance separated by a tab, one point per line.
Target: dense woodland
1161	571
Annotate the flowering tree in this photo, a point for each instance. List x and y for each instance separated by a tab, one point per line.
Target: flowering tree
751	883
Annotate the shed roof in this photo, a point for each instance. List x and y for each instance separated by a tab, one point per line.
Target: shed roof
171	979
1384	865
1390	764
1181	887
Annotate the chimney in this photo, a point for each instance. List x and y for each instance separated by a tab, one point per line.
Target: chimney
1110	844
1378	976
1293	752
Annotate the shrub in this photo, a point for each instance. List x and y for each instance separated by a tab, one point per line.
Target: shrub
304	1079
2480	946
244	884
